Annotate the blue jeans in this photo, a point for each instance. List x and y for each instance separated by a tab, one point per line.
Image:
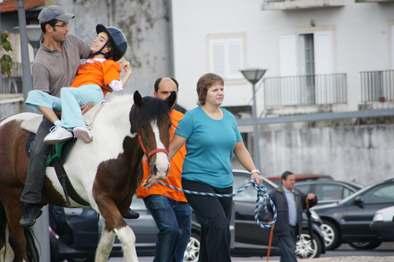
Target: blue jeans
69	103
173	220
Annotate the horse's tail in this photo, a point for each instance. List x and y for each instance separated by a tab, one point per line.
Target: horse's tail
31	247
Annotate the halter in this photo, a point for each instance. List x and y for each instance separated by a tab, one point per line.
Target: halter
150	154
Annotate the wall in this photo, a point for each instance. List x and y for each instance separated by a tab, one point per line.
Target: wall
360	44
363	154
146	26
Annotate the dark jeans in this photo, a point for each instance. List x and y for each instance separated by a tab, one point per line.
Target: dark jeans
287	246
214	215
32	192
173	220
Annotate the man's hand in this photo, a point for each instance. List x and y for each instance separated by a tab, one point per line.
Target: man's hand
311	196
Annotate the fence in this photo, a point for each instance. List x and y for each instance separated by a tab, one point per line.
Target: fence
305	90
377	86
12	84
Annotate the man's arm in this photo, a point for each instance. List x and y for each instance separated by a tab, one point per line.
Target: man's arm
40	76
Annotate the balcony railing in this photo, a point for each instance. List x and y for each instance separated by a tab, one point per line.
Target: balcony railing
305	90
12	84
300	4
377	86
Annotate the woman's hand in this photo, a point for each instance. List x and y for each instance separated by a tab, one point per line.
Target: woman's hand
255	176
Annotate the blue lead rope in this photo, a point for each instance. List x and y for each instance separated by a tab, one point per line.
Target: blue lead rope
262	202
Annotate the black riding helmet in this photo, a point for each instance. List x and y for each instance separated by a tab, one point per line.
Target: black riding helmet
118	40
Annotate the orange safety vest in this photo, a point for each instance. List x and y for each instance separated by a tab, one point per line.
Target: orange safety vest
174	176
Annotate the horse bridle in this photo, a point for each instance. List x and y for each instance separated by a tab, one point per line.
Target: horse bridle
150	154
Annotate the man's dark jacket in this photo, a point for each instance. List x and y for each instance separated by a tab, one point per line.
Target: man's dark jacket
278	196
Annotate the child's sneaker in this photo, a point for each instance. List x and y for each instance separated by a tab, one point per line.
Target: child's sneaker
57	134
83	133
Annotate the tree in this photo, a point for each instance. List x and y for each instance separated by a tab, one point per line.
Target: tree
5	59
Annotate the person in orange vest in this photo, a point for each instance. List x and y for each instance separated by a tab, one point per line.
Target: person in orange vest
168	207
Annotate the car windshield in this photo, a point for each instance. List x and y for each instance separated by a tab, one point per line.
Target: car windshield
360	192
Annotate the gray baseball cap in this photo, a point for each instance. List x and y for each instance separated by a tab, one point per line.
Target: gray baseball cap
51	12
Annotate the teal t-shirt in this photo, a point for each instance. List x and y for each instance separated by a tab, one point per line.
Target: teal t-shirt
209	144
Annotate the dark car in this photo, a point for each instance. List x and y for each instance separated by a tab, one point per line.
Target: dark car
250	239
328	191
383	224
348	221
75	231
302	177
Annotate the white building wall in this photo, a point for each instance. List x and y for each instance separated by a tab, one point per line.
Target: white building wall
362	36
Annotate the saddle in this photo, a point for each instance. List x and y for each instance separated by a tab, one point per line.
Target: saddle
59	152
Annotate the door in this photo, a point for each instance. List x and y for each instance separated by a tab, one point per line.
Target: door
358	216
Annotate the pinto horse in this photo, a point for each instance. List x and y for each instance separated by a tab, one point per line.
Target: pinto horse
103	172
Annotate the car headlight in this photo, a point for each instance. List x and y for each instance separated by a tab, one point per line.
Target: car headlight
378	217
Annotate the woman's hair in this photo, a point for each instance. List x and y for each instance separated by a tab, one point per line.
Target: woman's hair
204	83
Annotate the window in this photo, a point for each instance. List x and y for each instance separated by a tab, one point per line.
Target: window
380	194
306	188
226	56
328	192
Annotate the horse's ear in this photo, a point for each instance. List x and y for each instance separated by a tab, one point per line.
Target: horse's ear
171	99
137	99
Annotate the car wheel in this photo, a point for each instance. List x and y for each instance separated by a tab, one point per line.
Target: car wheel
192	251
307	248
365	245
331	235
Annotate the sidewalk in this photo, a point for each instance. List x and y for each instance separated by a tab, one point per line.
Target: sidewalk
350	259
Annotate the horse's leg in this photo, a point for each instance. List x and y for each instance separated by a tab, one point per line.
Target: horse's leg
114	222
104	246
16	232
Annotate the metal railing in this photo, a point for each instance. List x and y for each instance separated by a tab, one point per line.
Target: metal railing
324	89
12	84
377	86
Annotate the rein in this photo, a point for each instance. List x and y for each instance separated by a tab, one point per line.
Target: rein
263	200
150	154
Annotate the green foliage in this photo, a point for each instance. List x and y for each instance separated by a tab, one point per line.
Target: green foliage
5	59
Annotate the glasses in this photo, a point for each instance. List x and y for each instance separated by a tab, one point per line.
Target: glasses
61	25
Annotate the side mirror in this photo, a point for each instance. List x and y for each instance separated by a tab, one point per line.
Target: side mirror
358	201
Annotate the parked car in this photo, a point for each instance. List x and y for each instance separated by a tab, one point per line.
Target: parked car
301	177
328	191
251	239
75	231
383	224
348	220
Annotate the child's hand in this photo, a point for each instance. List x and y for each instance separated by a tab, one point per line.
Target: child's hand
125	66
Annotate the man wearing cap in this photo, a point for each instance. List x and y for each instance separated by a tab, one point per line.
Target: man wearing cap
54	66
169	207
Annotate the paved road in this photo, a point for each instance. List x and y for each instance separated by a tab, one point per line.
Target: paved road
344	253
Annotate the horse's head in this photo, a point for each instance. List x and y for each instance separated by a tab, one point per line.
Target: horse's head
149	119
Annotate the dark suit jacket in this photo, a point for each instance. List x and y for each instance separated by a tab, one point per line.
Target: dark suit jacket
282	221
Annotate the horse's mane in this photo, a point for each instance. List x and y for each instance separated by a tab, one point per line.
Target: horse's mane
151	109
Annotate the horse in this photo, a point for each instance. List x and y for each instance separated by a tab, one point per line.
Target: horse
103	172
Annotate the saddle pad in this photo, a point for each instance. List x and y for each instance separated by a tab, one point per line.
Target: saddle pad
32	124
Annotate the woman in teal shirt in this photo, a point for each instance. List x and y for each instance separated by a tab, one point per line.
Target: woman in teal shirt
211	136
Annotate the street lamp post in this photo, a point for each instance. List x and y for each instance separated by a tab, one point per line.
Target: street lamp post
253	76
26	74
